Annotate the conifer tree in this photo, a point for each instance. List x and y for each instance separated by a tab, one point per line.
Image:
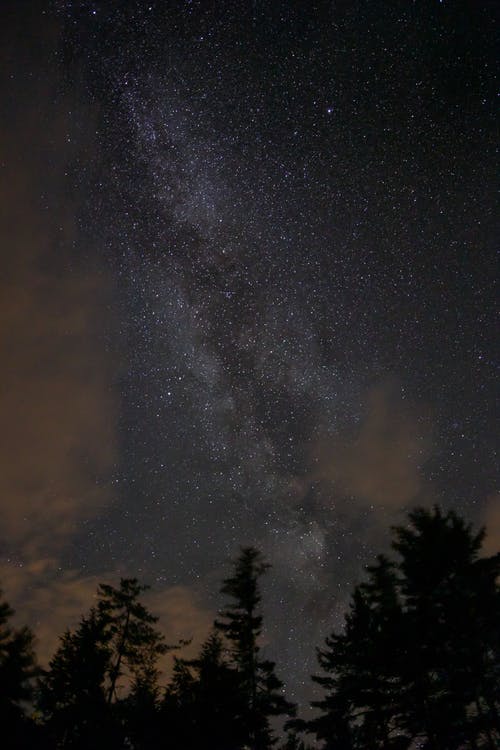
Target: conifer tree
452	619
134	642
204	702
79	692
241	624
17	670
418	659
178	709
72	693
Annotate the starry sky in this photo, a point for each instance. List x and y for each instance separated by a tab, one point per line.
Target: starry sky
247	297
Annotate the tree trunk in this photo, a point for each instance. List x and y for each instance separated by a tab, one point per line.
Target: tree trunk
116	669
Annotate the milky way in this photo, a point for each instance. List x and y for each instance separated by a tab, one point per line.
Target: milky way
290	206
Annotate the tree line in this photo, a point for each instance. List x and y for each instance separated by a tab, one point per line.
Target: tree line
416	664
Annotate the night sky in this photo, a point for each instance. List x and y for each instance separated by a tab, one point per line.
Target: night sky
247	297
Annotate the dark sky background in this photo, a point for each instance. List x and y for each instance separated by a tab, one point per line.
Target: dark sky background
247	297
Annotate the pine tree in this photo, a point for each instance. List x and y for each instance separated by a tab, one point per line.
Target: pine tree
17	671
116	641
361	682
178	709
72	693
204	702
135	643
419	654
241	624
219	706
453	619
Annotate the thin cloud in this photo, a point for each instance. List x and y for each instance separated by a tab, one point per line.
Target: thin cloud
380	463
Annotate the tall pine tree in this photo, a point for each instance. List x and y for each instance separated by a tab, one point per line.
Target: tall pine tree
241	624
418	659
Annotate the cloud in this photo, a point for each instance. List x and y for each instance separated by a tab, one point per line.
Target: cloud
182	617
51	600
380	463
57	416
47	599
57	411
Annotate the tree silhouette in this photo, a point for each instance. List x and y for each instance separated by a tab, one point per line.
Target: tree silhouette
453	623
203	703
138	714
135	644
294	742
241	624
361	680
72	693
79	692
416	665
223	699
178	709
17	670
418	658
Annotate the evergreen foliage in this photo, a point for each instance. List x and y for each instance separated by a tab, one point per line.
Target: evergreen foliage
416	665
203	704
72	694
135	644
17	670
241	624
80	690
419	656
